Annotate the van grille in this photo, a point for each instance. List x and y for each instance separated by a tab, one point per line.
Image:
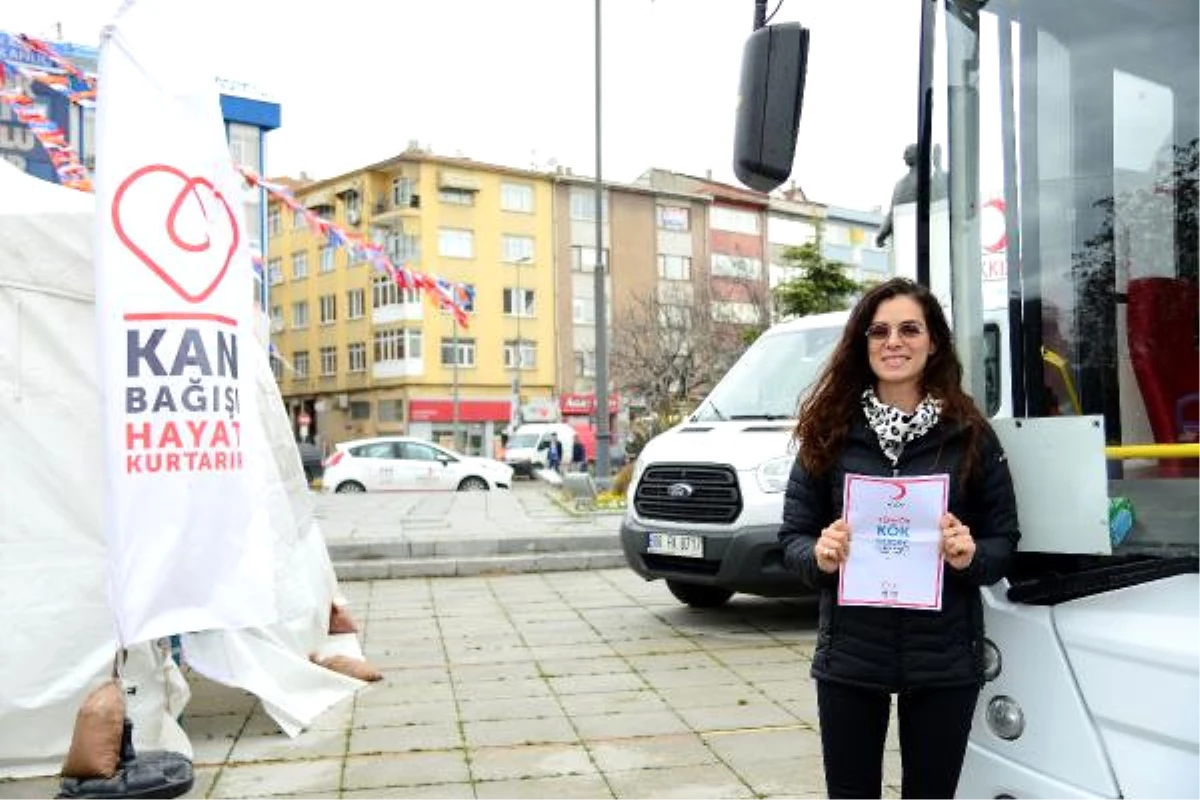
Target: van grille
714	496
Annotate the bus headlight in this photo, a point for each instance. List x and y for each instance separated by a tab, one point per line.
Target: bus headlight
773	475
1005	717
991	660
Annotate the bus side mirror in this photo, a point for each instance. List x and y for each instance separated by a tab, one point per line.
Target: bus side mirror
770	96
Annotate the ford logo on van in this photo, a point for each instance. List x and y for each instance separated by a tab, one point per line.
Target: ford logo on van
680	490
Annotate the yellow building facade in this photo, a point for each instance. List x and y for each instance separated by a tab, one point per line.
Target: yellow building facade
355	355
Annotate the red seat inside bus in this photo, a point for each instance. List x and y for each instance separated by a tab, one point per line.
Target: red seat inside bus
1162	315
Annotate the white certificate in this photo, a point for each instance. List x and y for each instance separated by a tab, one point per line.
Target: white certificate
895	542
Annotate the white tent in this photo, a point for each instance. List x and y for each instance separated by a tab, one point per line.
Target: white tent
59	634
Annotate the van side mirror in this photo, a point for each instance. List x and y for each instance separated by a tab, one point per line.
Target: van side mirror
770	96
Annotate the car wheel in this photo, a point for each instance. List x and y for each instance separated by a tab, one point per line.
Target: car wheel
473	484
698	596
350	487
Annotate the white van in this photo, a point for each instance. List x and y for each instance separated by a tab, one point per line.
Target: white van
527	448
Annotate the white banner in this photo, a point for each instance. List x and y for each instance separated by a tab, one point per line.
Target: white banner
186	459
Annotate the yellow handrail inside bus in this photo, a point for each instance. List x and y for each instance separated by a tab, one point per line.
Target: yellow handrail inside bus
1059	363
1120	452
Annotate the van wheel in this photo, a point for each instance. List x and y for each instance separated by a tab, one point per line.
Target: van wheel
473	483
698	596
350	487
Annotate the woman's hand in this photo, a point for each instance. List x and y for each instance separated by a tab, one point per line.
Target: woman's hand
833	546
957	544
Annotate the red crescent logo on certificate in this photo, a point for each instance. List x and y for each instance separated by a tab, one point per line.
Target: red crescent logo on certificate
179	226
901	489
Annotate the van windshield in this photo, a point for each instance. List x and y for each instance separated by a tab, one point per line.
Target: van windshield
767	381
523	440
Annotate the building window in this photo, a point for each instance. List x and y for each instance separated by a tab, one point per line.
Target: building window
397	344
328	361
328	258
516	197
402	247
741	267
456	197
300	364
465	350
404	193
585	364
456	243
274	224
300	314
299	265
514	249
583	259
391	410
674	218
275	271
328	309
353	202
675	268
244	144
357	356
583	205
583	310
735	220
360	410
356	303
385	292
298	219
520	354
519	303
276	316
276	367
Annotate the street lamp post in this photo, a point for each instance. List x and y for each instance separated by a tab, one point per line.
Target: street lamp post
454	415
518	358
603	464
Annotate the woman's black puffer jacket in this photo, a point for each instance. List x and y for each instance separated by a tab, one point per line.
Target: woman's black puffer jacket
892	648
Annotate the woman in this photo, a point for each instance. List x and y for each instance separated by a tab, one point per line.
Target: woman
890	403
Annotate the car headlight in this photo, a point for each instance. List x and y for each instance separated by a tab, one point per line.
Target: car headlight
773	475
635	475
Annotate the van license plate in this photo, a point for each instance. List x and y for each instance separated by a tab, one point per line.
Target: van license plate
675	544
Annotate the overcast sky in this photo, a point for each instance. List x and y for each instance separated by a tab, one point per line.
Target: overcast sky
512	81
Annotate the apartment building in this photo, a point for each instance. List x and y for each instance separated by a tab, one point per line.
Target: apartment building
361	356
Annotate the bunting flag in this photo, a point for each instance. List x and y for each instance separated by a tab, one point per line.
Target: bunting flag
455	298
70	171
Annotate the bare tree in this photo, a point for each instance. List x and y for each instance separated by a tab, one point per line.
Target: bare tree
669	347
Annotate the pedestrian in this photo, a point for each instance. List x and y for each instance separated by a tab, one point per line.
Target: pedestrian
554	454
578	455
889	403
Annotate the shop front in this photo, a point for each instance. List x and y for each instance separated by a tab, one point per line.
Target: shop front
474	430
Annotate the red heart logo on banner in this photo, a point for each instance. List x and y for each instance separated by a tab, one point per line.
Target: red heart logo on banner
202	192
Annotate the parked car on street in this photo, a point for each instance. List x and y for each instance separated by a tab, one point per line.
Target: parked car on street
404	463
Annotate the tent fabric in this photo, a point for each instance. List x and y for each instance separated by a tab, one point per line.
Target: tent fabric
59	630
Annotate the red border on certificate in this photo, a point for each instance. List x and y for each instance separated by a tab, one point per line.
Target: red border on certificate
901	483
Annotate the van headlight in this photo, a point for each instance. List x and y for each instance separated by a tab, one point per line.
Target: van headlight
773	475
635	475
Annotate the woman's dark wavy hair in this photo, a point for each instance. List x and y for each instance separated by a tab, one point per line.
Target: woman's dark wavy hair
828	410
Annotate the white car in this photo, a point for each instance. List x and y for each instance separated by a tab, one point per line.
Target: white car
402	463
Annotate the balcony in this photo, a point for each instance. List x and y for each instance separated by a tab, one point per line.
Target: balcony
398	368
385	212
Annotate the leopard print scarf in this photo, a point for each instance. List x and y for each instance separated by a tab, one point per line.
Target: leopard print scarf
895	428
